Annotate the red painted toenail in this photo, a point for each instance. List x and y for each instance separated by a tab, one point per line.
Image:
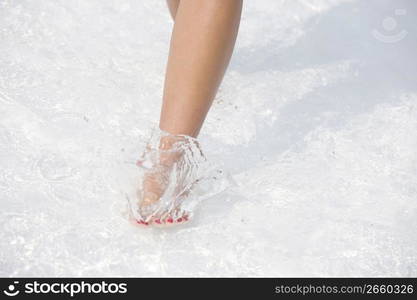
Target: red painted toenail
170	220
158	221
179	220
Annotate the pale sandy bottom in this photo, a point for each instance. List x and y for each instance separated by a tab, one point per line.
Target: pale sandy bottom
316	122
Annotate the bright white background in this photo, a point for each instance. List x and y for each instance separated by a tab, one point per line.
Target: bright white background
316	121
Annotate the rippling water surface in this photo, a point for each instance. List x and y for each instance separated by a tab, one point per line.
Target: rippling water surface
316	124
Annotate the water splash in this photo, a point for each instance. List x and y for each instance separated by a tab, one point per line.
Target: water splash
173	176
319	136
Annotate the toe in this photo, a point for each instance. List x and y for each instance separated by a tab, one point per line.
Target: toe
142	223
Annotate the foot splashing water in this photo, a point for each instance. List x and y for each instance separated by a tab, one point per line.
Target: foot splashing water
174	176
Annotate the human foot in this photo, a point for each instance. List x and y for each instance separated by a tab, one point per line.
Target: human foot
152	209
170	173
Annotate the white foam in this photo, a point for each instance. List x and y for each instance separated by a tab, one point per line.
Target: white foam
315	121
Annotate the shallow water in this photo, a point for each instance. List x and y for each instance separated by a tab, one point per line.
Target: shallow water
316	122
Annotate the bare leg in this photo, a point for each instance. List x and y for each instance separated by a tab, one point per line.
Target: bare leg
202	43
